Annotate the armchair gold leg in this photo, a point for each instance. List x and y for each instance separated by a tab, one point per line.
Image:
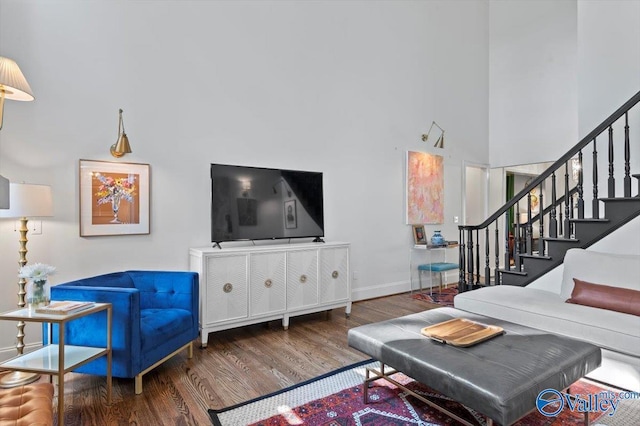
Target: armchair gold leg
138	378
138	384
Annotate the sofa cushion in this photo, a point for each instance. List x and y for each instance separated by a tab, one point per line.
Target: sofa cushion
162	324
547	311
616	270
605	297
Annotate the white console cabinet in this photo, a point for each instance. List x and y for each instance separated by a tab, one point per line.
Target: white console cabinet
246	285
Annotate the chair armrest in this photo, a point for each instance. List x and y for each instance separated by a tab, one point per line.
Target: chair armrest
87	330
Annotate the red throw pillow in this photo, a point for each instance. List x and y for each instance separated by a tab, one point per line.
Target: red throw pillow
600	296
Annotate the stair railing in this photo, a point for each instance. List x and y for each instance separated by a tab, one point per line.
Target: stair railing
555	220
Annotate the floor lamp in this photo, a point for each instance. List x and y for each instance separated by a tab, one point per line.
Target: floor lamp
25	200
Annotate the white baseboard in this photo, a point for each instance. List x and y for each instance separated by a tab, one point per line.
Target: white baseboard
386	289
10	351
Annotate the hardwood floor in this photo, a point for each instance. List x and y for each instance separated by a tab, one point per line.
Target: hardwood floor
237	365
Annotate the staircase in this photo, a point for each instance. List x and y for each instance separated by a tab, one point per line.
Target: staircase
504	250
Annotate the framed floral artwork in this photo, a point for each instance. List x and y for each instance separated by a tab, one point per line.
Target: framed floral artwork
114	198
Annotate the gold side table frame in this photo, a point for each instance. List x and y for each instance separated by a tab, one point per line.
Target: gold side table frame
58	359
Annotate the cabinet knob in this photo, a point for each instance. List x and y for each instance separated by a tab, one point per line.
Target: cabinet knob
227	288
303	278
268	283
335	274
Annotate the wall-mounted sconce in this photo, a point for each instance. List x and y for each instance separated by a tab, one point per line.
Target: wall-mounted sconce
440	141
121	147
246	187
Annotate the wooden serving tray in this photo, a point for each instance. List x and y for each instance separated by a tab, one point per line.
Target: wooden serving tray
461	332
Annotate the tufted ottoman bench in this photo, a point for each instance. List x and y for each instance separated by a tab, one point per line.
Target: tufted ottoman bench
27	405
500	378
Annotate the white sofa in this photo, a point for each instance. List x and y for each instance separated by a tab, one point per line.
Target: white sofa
543	306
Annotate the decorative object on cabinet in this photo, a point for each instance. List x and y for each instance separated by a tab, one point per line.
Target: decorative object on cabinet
114	198
440	141
121	147
247	285
155	316
424	188
27	200
418	234
290	215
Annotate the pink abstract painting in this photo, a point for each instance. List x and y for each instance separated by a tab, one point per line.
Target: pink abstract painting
425	188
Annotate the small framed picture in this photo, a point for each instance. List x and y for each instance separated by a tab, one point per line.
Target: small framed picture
114	198
290	216
418	234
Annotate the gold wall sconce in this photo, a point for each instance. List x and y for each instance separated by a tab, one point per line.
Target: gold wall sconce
440	141
121	147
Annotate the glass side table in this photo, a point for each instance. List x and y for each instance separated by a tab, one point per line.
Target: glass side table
58	359
432	259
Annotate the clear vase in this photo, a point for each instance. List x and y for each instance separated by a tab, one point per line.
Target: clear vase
38	293
115	205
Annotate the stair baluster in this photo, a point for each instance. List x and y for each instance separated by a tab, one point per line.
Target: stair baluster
497	257
541	224
553	222
517	241
477	257
580	188
470	259
611	192
567	208
487	269
595	209
529	227
507	250
462	275
627	157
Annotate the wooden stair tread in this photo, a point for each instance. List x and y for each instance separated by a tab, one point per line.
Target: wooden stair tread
564	240
590	220
535	256
513	272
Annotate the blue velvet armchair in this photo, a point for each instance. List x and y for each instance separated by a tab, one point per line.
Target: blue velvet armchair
155	316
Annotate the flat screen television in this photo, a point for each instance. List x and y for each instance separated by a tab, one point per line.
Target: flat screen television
257	203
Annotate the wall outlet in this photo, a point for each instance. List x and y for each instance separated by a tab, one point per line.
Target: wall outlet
355	275
456	219
34	227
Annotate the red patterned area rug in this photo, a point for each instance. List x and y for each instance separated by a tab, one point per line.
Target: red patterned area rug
336	399
444	298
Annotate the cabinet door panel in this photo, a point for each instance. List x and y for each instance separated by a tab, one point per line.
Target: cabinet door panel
226	288
334	274
267	288
302	278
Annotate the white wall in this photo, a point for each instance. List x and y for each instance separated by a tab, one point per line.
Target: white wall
533	80
345	88
608	59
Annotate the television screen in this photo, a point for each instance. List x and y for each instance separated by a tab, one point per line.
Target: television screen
254	203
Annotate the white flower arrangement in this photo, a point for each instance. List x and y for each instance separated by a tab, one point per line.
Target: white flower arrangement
36	271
